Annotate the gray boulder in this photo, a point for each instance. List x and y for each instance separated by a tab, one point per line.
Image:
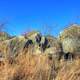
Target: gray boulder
54	47
71	45
70	39
73	31
12	47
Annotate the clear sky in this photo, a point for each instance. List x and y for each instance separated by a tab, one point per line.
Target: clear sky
49	16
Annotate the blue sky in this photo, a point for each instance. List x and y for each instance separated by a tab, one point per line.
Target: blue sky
47	16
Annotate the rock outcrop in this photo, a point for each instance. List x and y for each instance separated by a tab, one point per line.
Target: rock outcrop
73	31
70	40
36	57
4	36
53	47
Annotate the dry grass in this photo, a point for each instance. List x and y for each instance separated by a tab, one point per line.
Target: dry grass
69	70
39	67
28	67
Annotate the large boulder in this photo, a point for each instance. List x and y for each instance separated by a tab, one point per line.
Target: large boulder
39	42
54	47
70	39
12	47
16	45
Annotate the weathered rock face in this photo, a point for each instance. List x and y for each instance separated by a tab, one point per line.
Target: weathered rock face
18	59
70	39
68	42
34	36
43	44
54	47
33	43
16	45
12	47
4	36
53	42
71	45
72	32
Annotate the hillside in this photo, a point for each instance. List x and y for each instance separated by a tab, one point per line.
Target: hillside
33	56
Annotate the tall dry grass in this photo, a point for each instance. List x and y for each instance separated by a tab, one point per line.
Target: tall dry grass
28	66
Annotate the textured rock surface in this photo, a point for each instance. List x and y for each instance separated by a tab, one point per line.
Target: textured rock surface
36	57
54	47
70	39
71	45
4	36
34	36
73	31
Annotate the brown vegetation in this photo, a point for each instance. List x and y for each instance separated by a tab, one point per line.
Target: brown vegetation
37	57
